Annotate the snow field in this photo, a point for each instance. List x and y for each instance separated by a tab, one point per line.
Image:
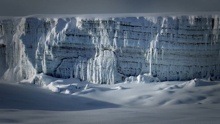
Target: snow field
139	93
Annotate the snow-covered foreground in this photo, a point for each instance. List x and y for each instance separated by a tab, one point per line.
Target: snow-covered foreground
73	101
137	92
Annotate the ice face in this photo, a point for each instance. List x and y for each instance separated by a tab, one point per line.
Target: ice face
108	50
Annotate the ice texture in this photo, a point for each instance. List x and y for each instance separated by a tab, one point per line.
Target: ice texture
111	49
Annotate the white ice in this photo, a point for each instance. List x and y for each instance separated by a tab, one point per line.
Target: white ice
107	50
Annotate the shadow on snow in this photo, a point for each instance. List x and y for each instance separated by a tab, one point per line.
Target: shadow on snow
24	97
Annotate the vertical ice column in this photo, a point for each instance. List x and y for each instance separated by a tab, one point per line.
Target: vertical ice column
152	53
102	69
19	65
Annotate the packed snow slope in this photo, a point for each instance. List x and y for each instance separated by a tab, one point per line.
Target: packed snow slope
107	50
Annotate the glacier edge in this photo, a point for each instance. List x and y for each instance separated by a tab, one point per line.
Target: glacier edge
109	50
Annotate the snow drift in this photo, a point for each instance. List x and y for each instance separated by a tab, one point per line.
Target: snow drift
137	93
111	49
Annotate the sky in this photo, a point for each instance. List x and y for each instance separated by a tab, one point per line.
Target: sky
30	7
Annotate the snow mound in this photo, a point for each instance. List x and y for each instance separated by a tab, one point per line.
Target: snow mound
169	93
118	88
199	83
196	91
65	86
52	87
145	78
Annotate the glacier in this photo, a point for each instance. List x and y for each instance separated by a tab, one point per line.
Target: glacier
108	50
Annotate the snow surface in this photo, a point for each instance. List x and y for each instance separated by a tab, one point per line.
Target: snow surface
140	93
170	102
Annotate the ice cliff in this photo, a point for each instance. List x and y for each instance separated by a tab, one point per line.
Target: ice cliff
110	49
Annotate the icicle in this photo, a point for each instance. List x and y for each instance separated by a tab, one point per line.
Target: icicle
115	40
162	48
155	47
150	58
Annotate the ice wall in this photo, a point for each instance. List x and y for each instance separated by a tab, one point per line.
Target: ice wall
16	61
108	50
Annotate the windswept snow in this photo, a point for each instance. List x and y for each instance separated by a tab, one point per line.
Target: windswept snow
159	94
147	98
74	101
139	92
